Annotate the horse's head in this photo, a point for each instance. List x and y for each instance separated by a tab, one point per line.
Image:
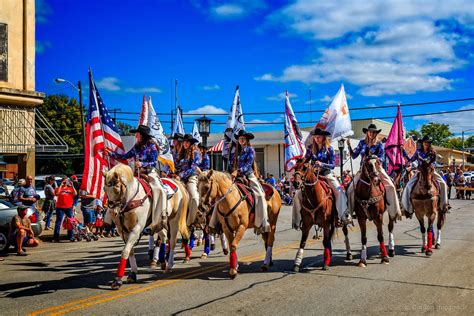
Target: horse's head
310	177
116	182
207	188
426	173
371	167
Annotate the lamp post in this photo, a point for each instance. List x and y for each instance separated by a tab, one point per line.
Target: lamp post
204	128
340	144
78	88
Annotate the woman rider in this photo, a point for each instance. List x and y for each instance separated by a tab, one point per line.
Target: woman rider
188	163
245	166
371	146
425	154
176	150
321	154
205	163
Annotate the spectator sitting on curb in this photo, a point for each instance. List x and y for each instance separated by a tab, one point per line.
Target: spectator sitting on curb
20	233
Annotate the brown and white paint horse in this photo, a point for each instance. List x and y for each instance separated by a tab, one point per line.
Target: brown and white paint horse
219	190
132	210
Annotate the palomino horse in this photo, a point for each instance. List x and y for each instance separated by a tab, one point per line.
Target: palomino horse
217	189
370	204
425	200
133	207
318	207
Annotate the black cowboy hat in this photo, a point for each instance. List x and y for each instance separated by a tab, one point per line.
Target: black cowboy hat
241	133
425	138
190	139
371	127
142	129
200	145
177	136
318	131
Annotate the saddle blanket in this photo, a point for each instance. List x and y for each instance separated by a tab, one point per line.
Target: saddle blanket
169	187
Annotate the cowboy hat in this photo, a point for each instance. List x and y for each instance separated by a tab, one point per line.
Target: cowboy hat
318	131
425	138
142	129
177	136
189	138
371	127
244	134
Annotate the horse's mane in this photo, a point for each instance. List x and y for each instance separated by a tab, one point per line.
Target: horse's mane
216	175
123	171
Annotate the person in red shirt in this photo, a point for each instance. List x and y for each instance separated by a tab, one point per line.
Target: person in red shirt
65	194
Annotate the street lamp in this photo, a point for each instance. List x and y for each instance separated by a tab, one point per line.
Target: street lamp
78	88
340	144
204	128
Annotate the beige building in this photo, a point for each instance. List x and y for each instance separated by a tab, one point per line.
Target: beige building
452	157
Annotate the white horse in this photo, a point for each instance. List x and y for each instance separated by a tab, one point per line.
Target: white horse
133	206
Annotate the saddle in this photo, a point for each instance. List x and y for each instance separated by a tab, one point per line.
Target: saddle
267	189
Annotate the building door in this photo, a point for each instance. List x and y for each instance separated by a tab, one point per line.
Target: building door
260	159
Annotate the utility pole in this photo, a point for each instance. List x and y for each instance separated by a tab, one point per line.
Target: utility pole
463	164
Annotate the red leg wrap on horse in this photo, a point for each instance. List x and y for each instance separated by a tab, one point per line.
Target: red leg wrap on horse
187	250
121	267
327	256
383	249
233	260
430	240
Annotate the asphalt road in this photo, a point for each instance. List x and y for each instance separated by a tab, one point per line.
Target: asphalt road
73	278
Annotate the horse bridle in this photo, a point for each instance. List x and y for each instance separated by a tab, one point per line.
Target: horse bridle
366	203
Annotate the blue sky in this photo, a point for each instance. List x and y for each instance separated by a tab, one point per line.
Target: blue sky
384	52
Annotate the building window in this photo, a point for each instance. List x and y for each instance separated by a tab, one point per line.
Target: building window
3	52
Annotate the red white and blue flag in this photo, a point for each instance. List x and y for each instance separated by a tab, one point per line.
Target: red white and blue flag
294	144
101	133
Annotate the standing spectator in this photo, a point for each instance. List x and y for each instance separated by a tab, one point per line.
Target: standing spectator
77	187
271	180
28	195
88	205
449	183
49	204
99	222
286	185
469	186
278	186
15	193
64	205
20	233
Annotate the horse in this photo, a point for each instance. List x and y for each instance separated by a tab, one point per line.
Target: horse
401	178
318	207
133	206
425	200
371	205
217	189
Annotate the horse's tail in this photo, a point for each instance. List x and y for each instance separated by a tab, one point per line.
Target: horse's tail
182	224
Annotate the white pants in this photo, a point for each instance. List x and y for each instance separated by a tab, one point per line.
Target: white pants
393	206
341	201
191	186
261	207
443	192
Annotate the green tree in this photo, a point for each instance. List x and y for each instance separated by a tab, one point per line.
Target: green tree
454	143
124	128
414	133
63	114
439	133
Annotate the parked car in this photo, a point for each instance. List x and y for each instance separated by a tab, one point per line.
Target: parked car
7	212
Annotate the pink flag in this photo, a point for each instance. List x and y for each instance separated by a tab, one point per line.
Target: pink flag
393	146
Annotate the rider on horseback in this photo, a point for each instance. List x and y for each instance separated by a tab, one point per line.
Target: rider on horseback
205	163
189	160
367	147
321	154
425	154
244	165
177	146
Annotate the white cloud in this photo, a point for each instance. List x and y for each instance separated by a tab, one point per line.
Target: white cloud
143	90
384	47
457	121
391	102
207	109
211	87
229	10
109	84
282	96
265	122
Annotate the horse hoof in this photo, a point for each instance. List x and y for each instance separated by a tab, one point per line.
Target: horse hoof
429	252
385	260
391	253
349	256
264	268
213	247
225	251
325	268
204	256
116	284
232	274
132	278
153	264
296	268
362	264
163	266
438	246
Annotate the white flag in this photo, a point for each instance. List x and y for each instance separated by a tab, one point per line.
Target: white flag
336	119
294	146
196	134
178	123
156	130
235	122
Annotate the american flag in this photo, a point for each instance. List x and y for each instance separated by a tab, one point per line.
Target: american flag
101	132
